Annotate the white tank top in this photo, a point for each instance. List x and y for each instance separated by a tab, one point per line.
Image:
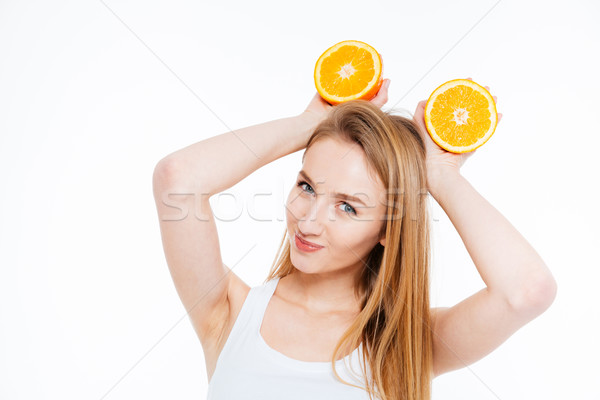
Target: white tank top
248	368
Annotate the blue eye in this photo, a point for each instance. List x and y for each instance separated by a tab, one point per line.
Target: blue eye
302	183
353	211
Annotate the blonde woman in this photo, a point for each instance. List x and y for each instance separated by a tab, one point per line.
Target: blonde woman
344	312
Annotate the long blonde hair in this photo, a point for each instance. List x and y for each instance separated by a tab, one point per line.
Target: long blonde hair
394	321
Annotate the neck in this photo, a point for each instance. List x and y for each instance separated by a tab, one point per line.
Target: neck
323	293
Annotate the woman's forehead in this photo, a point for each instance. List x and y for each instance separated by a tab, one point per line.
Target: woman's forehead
342	167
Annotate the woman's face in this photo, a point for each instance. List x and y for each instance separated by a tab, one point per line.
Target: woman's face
318	211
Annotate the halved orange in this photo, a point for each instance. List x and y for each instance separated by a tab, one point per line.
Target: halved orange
460	115
348	70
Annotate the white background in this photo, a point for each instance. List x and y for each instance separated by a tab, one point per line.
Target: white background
87	306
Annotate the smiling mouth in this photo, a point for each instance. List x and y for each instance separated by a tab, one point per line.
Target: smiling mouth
304	245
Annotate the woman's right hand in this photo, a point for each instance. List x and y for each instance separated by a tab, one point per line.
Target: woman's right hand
318	108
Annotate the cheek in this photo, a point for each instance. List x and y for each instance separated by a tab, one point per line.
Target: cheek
293	207
354	236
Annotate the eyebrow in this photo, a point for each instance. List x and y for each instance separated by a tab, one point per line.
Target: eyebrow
338	195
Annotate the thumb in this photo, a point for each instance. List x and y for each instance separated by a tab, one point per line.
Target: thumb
382	95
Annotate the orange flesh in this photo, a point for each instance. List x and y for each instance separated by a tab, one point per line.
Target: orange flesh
460	116
347	71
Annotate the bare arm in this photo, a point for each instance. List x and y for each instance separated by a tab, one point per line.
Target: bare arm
184	181
219	162
519	285
507	263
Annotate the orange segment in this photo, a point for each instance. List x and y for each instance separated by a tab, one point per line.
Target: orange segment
348	70
460	115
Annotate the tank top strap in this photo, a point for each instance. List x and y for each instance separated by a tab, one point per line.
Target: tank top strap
251	314
264	294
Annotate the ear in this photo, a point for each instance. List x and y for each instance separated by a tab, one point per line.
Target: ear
382	241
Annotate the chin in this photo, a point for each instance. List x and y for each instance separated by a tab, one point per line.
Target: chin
300	265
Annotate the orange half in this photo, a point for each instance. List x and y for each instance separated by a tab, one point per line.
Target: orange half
460	115
348	70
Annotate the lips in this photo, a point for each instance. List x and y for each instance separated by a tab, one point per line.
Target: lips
308	244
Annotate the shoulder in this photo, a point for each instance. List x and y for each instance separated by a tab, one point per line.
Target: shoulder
434	312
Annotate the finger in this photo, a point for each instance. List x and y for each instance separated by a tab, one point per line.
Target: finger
470	79
384	88
495	99
420	109
499	116
382	95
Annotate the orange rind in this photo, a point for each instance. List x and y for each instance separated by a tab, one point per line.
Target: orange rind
348	70
460	115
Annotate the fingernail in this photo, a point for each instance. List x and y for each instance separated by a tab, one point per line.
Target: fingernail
387	84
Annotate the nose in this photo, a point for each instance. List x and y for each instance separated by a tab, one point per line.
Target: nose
311	222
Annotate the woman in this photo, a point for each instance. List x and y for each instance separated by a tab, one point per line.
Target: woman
344	312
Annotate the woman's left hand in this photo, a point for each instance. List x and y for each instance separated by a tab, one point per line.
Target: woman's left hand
439	159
